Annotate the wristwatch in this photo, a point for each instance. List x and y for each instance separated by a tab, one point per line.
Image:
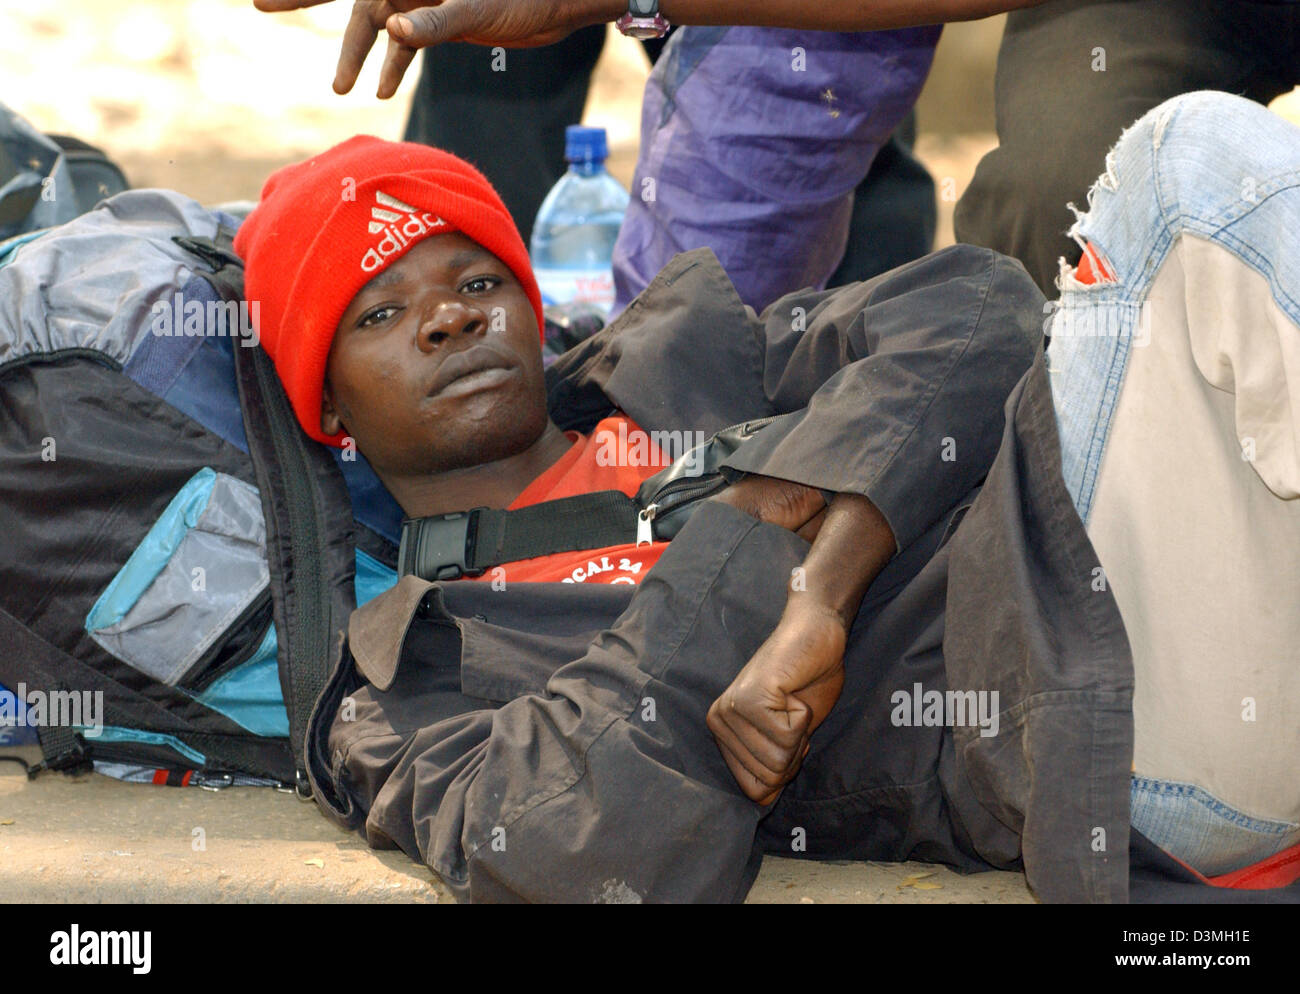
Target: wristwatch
643	20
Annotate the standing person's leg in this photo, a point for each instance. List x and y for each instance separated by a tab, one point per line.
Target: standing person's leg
894	213
1073	73
1176	379
505	110
752	142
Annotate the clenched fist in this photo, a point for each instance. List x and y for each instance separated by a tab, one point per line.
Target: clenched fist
763	722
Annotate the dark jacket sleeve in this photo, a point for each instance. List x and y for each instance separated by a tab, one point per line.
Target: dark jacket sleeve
894	388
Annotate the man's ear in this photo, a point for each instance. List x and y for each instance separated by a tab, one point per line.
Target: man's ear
330	423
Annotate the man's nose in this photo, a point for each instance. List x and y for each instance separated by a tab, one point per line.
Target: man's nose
450	319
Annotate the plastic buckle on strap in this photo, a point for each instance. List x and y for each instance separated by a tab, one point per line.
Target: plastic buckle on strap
439	547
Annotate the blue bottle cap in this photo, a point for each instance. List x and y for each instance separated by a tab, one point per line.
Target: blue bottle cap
583	144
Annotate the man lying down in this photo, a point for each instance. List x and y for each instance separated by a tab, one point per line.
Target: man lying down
820	663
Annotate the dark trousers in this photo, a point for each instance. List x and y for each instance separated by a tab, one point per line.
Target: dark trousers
509	124
894	214
600	780
1059	111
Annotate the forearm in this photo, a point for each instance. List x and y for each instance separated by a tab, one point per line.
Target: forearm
895	389
827	15
762	722
852	547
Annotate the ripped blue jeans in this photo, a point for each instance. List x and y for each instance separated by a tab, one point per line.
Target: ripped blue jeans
1176	381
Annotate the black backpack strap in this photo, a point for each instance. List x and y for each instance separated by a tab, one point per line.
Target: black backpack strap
465	543
309	543
28	657
309	540
225	269
31	661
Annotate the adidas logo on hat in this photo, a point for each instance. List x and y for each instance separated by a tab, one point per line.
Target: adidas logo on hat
400	224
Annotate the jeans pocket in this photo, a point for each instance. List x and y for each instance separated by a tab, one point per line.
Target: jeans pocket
1208	835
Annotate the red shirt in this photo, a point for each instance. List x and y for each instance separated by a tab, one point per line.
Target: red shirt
607	459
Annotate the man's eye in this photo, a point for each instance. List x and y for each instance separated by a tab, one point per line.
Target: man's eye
378	315
480	284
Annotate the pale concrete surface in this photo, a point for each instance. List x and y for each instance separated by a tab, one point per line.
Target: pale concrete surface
798	881
91	839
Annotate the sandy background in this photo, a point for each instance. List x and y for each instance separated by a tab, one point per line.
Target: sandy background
209	96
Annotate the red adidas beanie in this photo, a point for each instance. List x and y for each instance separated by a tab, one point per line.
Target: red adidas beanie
325	227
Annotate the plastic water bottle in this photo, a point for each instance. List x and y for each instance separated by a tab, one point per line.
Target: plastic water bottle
573	236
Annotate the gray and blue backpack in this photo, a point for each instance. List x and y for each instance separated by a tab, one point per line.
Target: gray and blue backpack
180	559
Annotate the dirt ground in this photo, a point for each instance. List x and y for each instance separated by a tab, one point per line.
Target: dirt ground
209	96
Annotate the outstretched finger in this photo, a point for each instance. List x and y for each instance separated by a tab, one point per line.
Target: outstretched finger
396	61
425	26
358	39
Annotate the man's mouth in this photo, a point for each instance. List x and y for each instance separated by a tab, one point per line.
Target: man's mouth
470	369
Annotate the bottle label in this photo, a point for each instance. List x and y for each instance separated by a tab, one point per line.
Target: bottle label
583	286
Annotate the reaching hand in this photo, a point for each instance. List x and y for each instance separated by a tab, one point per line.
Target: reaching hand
763	722
791	505
415	24
527	23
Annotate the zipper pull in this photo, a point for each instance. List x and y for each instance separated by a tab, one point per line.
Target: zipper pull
644	525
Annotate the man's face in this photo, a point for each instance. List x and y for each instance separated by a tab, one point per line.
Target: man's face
436	363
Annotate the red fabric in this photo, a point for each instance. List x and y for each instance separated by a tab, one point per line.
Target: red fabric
1092	268
607	459
327	226
1279	870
